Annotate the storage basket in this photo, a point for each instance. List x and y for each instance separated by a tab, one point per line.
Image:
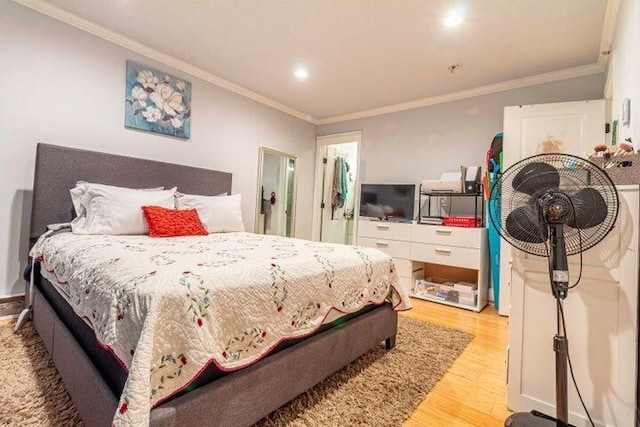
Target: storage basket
622	170
462	221
438	289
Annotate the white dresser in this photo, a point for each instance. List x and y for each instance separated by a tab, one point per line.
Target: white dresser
418	250
392	238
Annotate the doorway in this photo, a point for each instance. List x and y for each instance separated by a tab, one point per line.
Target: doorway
336	195
275	204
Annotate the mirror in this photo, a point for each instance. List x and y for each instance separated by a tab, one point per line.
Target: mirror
275	204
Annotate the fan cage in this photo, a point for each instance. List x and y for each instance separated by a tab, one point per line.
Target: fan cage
575	174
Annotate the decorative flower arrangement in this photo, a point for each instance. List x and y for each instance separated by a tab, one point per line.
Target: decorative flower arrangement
157	102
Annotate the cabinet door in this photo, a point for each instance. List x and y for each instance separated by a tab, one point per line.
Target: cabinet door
579	125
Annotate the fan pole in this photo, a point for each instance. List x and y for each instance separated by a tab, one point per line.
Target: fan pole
559	274
561	348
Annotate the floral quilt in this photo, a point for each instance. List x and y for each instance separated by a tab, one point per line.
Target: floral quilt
168	307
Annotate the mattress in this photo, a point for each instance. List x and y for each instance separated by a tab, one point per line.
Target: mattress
168	309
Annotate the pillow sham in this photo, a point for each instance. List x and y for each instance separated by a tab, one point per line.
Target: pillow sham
217	213
163	222
81	199
179	195
117	210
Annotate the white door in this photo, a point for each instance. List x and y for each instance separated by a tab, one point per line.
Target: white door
578	126
336	225
333	225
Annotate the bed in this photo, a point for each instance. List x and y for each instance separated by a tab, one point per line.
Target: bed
232	394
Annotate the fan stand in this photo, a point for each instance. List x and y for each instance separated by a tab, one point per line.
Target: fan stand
558	274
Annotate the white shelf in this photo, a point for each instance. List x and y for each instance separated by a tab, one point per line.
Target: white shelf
415	246
475	308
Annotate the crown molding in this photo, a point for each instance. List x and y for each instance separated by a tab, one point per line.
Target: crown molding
567	73
137	47
62	15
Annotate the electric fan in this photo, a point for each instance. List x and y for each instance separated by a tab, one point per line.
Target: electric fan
554	205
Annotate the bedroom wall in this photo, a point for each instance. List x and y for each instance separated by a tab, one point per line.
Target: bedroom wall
412	145
624	66
63	86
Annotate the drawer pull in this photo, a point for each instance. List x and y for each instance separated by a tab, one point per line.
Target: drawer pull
443	251
385	244
382	227
447	232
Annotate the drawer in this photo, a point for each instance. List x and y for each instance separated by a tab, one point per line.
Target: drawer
448	236
446	255
403	267
391	247
384	230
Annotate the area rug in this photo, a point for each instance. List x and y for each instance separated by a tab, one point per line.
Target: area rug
379	389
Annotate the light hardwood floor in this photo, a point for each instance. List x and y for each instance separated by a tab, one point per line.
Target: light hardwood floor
473	391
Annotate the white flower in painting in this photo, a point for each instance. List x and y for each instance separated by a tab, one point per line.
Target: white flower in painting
167	99
167	79
139	95
147	79
176	122
152	114
181	85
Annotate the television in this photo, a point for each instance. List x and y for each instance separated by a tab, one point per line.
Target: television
388	201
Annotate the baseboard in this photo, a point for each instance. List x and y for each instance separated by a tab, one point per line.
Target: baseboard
11	306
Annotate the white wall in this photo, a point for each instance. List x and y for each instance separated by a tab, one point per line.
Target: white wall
63	86
625	69
412	145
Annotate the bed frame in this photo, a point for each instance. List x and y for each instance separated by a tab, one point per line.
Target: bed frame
238	399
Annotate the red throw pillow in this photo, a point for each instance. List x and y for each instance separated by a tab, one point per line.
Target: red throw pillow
165	222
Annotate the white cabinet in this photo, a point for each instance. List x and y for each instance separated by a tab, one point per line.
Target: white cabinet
601	313
418	250
601	316
392	238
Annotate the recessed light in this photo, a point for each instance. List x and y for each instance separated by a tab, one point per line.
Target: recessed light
301	73
453	19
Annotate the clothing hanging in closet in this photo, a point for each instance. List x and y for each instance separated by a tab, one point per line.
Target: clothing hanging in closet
339	187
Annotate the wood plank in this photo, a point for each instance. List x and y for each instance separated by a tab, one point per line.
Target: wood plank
473	391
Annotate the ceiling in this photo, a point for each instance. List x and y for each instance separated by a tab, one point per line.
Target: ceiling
360	54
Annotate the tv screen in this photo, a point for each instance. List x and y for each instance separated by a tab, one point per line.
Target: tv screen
387	201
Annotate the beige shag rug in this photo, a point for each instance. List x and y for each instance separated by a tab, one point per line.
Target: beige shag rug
379	389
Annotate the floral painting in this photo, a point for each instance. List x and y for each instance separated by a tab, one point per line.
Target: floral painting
157	102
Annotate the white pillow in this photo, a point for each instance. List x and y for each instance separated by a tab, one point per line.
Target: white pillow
179	195
217	213
81	199
117	210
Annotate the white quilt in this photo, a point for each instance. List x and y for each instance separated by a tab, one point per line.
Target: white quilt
167	307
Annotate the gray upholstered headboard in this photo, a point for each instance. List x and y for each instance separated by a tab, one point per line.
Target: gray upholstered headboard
59	168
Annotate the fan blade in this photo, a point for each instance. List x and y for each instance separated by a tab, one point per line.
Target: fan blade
589	207
535	177
523	224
